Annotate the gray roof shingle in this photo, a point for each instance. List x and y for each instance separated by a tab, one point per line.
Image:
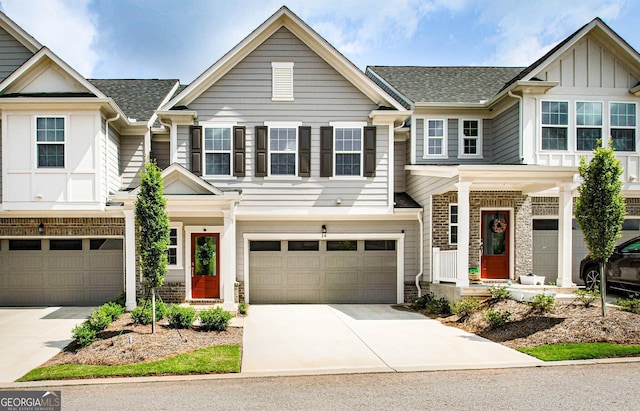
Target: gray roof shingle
137	98
447	84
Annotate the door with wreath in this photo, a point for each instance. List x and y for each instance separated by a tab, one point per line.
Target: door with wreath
495	244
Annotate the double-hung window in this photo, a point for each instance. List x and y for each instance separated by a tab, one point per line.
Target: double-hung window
217	150
50	137
435	137
470	141
175	243
348	149
453	224
623	126
588	125
555	122
283	150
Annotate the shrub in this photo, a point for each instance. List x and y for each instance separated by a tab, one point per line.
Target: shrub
215	319
631	304
181	317
465	307
497	318
142	313
421	303
242	308
112	309
99	320
587	297
84	334
499	292
543	302
438	306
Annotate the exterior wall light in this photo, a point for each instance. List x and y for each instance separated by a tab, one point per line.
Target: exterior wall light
324	231
41	229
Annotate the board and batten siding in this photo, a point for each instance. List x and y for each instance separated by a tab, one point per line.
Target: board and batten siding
357	227
321	96
131	160
505	137
12	54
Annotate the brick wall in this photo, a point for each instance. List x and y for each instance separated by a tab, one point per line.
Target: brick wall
411	292
62	226
548	206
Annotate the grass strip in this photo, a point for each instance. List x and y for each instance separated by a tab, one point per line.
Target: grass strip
211	360
581	351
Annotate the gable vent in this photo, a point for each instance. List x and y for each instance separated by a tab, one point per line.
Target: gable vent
282	81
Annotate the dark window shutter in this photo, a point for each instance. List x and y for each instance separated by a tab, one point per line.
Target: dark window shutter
261	151
369	152
239	151
304	151
196	150
326	151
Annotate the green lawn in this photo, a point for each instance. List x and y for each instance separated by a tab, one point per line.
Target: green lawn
582	351
216	359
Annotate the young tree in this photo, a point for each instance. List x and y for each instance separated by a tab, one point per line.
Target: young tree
154	231
600	209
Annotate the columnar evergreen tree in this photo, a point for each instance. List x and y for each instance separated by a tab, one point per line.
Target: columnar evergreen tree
600	209
153	238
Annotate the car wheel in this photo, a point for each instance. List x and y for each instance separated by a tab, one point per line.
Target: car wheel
592	278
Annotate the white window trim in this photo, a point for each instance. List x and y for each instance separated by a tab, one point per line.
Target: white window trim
576	126
178	246
279	124
451	224
570	135
357	124
281	90
461	138
425	138
64	143
206	125
635	149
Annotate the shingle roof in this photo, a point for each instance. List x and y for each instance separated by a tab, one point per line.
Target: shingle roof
446	84
404	200
137	98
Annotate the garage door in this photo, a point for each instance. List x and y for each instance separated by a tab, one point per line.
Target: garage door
545	246
44	272
347	271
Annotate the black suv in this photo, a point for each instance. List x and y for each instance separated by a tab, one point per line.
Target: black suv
622	269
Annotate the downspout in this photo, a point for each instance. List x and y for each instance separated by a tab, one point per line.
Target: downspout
106	154
520	136
421	263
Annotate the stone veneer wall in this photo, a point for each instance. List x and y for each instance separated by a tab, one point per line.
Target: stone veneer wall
522	208
62	226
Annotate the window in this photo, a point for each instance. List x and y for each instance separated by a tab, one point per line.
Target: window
282	81
303	246
264	246
65	245
217	151
105	244
25	245
588	125
50	141
283	147
470	141
344	245
436	136
555	121
175	245
380	245
623	126
348	149
547	224
453	224
631	225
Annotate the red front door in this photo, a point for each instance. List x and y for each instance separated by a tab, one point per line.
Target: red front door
205	265
495	244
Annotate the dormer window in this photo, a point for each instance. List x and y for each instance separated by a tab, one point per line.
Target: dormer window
282	81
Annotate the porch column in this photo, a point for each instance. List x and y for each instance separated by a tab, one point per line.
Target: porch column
565	246
228	262
462	258
130	259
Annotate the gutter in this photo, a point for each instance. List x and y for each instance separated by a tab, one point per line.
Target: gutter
421	263
520	119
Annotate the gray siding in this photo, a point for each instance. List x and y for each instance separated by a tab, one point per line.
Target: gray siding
505	138
0	162
322	95
132	160
160	151
113	160
453	125
400	156
12	54
411	257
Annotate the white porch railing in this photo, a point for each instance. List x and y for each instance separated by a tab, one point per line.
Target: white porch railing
444	266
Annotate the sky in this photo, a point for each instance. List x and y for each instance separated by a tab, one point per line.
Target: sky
180	39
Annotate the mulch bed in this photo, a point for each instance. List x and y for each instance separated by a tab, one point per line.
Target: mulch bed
568	322
125	343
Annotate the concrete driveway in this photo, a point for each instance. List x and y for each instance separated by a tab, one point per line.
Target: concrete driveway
31	336
313	339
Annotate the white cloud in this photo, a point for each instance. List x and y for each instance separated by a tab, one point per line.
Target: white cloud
65	26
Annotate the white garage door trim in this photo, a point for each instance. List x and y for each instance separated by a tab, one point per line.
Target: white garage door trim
398	237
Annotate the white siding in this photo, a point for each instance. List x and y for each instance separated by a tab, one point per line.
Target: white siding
400	154
113	161
131	160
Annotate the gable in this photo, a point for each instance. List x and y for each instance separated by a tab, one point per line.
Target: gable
175	185
13	54
248	85
589	63
47	79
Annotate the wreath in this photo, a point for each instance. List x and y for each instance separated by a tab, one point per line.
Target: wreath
498	225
